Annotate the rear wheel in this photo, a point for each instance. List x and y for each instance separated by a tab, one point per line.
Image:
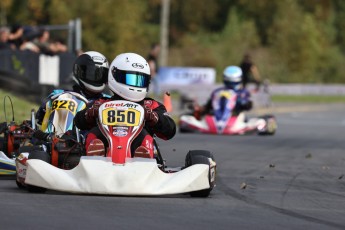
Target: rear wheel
29	149
186	129
40	155
20	185
271	125
202	157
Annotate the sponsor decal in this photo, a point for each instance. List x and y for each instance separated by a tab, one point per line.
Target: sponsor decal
125	105
120	132
98	58
166	114
138	66
21	170
212	170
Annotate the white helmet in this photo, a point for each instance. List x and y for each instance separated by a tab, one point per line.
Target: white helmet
129	76
90	71
232	77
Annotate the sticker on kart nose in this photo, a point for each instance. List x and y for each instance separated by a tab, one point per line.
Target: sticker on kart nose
128	117
119	132
67	104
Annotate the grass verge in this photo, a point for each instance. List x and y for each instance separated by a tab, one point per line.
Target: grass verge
308	98
21	107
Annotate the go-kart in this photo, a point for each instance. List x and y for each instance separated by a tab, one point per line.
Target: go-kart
7	165
13	137
117	172
225	120
56	137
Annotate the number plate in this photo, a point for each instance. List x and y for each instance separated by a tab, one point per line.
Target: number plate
69	105
127	117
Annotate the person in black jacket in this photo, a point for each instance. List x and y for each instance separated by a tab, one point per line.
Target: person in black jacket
129	79
250	72
90	74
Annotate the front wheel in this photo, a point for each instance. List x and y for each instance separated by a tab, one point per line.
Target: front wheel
202	157
40	155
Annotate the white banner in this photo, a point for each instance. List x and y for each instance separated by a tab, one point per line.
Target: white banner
186	76
49	70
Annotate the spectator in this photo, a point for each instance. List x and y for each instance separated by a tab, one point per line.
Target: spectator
16	35
4	36
250	72
153	63
28	43
59	46
42	42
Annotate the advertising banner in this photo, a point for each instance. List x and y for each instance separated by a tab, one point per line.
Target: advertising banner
183	76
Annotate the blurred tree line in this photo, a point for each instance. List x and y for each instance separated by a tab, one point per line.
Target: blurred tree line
290	40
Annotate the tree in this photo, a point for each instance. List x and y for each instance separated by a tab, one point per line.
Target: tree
296	42
112	27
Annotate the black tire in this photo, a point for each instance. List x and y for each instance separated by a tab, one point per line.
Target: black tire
29	149
193	153
201	157
158	156
40	155
183	129
271	125
20	185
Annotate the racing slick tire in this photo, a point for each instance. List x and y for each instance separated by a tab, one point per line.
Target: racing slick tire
271	125
29	149
202	157
19	185
24	149
40	155
185	129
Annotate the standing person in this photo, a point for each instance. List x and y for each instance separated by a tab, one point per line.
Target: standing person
4	36
153	63
129	79
43	42
250	72
16	35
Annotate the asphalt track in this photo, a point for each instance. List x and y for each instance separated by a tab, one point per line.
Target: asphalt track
293	180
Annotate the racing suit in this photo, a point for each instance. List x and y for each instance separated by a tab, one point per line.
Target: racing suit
76	88
158	122
243	100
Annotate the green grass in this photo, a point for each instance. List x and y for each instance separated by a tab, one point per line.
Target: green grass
21	107
309	98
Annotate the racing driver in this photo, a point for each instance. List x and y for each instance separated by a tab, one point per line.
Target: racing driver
129	79
232	79
90	72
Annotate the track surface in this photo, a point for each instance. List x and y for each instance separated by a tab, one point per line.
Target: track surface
294	180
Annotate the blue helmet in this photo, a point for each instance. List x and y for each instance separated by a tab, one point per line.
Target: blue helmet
232	77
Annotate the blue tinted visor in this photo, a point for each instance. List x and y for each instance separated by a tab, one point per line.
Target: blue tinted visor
131	78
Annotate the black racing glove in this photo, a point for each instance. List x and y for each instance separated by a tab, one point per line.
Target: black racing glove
92	112
151	116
